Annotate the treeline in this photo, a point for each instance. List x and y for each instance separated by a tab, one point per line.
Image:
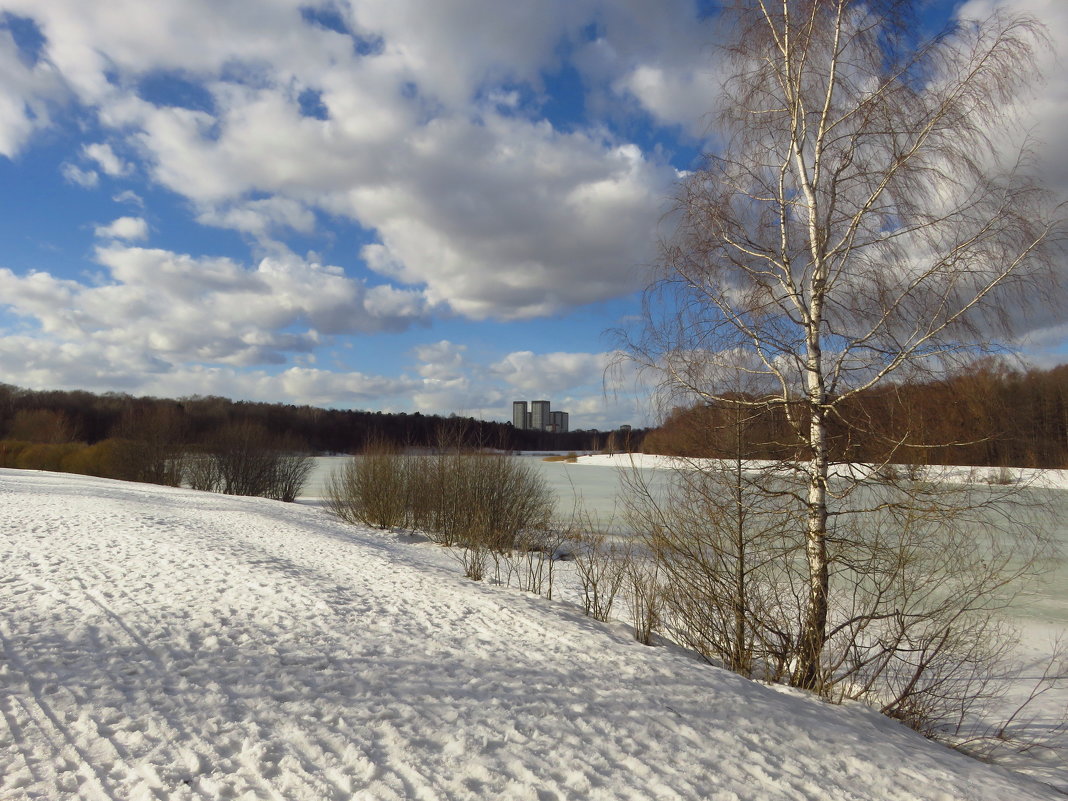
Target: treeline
987	415
59	417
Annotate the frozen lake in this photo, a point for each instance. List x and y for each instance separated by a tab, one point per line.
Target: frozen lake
594	489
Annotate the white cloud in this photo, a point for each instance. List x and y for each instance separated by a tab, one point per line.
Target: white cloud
90	365
26	93
432	142
665	61
497	217
681	97
104	156
551	373
261	217
511	219
131	197
185	309
441	361
73	174
1045	114
128	228
495	213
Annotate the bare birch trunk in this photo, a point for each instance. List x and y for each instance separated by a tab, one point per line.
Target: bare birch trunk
861	225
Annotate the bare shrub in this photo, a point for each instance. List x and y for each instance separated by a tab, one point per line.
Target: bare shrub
601	565
922	580
9	452
541	552
726	556
46	456
645	595
920	574
474	557
503	497
478	501
246	459
202	473
109	458
372	488
291	470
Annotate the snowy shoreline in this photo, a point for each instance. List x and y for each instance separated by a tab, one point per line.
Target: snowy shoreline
163	643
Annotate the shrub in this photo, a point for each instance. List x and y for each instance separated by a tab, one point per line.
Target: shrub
202	473
41	456
371	489
475	500
290	474
246	459
9	452
109	458
601	566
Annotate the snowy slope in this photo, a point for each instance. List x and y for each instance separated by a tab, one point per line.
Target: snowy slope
166	644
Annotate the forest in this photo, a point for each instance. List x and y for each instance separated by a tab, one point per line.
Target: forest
75	417
987	415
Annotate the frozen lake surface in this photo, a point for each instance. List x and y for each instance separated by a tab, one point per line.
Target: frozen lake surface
591	488
592	485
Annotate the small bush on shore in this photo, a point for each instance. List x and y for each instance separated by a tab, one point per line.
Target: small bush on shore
466	498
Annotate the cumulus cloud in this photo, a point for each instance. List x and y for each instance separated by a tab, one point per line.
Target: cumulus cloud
442	361
131	197
494	211
497	217
105	158
73	174
28	90
128	228
535	222
35	362
262	217
214	310
548	373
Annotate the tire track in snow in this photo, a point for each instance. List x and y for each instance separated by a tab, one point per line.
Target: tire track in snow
56	734
213	771
11	776
274	770
96	734
160	730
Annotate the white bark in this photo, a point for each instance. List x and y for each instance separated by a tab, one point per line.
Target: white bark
851	231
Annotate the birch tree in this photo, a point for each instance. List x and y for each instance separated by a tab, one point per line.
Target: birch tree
865	219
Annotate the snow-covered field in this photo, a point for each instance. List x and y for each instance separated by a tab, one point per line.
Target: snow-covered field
166	644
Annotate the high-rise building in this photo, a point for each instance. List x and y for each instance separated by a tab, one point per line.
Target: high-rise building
540	419
519	414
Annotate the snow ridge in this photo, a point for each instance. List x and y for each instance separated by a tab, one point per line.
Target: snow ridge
165	644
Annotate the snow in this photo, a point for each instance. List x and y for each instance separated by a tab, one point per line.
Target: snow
161	643
1054	479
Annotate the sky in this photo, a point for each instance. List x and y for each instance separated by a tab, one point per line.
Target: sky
405	205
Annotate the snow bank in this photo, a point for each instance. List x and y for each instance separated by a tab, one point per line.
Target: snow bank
1052	479
166	644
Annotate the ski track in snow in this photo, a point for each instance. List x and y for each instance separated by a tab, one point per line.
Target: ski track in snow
166	644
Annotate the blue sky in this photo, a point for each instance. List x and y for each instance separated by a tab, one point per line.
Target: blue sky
378	204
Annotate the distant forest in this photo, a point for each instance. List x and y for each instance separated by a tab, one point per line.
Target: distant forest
60	417
988	415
